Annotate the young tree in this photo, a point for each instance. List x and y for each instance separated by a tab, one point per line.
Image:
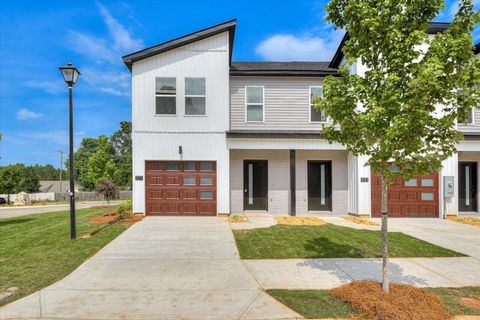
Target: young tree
101	164
403	110
107	189
122	144
9	180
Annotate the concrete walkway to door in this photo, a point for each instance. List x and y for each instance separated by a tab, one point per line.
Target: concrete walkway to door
160	268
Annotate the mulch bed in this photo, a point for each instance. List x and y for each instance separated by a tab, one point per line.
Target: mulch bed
466	220
113	217
300	221
100	207
404	302
360	220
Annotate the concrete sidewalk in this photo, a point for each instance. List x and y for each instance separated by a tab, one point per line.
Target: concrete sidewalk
160	268
10	212
330	273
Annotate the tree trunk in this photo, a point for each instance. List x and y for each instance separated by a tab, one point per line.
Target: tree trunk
385	282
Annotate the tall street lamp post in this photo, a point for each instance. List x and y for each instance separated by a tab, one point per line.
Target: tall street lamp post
70	75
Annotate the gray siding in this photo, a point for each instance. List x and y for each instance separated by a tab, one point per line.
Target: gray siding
339	179
286	103
475	127
279	179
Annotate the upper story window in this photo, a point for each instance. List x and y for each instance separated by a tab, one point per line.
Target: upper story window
165	95
315	114
468	119
254	104
195	96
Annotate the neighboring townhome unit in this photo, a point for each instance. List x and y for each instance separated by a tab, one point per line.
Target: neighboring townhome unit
214	136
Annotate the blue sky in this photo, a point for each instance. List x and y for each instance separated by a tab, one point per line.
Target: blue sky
36	37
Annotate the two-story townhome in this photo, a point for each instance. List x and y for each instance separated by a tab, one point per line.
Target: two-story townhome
211	136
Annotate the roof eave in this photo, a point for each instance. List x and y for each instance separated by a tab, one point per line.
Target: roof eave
228	26
434	27
285	73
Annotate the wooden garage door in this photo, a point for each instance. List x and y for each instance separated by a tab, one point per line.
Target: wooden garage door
417	197
181	188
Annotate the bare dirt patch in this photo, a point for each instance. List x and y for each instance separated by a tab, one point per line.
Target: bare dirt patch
300	221
360	220
466	220
403	301
100	207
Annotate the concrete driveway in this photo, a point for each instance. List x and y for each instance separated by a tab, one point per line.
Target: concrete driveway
10	212
175	268
460	237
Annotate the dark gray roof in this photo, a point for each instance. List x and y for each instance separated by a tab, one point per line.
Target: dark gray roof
477	48
181	41
290	68
433	28
274	134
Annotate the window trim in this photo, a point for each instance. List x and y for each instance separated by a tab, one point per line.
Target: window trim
472	111
310	105
185	96
255	104
165	95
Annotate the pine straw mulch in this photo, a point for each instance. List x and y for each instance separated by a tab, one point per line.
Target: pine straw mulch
404	302
113	217
101	206
300	221
235	218
466	220
360	220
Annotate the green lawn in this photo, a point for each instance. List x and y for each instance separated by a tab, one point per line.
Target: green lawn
329	241
36	250
321	304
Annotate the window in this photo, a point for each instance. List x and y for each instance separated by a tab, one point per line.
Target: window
427	196
165	96
206	181
189	166
427	182
172	166
195	96
315	114
254	104
206	166
189	181
206	195
411	183
468	118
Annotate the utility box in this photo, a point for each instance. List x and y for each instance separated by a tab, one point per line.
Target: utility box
448	187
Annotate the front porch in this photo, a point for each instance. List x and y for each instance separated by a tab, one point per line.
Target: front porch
289	181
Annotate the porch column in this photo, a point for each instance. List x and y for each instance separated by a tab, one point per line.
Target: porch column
293	188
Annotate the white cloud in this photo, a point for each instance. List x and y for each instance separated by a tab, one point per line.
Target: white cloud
53	87
115	92
122	39
288	47
92	47
25	114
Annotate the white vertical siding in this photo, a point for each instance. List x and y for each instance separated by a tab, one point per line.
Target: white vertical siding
203	137
352	184
339	179
450	168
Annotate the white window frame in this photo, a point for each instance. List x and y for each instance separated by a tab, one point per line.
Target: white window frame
165	95
472	111
194	96
310	105
255	104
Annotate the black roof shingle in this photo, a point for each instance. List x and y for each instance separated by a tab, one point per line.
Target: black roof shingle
290	68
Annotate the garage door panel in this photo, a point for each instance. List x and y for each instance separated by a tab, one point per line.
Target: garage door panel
180	188
417	197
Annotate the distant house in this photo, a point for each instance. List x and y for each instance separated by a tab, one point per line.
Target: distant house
57	186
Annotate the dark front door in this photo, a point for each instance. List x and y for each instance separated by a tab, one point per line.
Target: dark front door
467	186
255	184
319	185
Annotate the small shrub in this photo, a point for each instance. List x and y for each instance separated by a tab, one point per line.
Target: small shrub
107	189
124	210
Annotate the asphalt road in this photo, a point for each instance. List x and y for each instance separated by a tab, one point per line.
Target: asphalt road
9	212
